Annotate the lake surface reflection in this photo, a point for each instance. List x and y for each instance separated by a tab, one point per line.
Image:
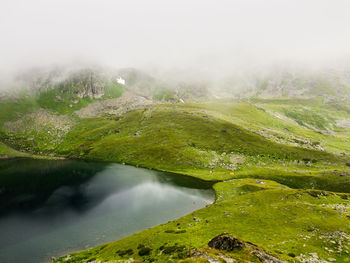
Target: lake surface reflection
50	208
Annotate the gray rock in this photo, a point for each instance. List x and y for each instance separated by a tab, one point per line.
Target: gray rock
226	242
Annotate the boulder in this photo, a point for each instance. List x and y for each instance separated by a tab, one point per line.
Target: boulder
226	242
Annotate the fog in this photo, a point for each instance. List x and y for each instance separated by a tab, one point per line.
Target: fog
210	37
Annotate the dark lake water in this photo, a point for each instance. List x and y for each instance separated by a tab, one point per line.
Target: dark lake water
50	208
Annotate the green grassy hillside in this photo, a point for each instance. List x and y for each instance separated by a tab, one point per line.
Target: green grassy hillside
284	162
289	223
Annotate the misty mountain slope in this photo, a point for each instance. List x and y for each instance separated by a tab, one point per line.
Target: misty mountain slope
287	114
170	88
71	91
67	90
280	157
329	83
57	91
60	103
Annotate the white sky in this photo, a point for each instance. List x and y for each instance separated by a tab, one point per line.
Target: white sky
166	33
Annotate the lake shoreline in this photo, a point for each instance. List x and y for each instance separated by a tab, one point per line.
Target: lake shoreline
109	200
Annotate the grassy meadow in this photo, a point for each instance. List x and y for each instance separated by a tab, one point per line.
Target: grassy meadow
279	168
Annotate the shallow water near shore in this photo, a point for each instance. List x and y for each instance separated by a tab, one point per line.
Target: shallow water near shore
52	207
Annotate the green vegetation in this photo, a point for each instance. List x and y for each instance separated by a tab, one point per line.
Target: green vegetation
306	117
112	90
164	94
70	99
284	161
286	221
9	152
61	103
177	140
313	178
13	108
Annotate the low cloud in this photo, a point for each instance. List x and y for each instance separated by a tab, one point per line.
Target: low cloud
201	36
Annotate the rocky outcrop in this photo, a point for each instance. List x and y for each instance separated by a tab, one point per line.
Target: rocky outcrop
79	81
84	83
227	242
